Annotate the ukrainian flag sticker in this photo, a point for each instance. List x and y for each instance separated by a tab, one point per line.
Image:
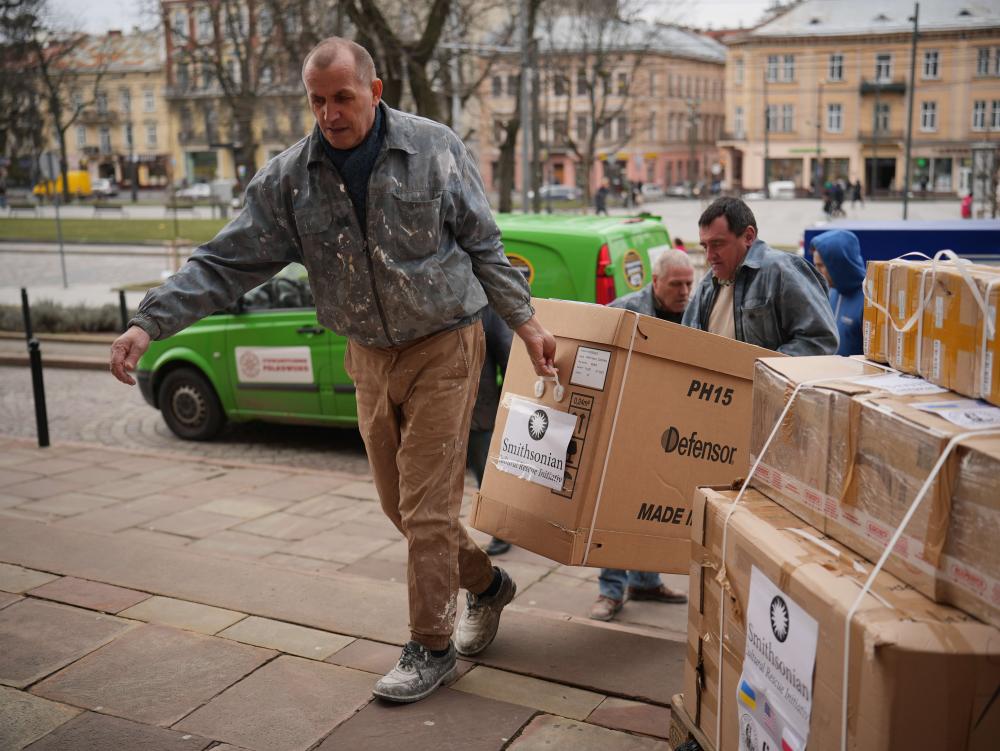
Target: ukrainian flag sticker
747	695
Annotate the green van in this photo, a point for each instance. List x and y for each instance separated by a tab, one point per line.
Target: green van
269	359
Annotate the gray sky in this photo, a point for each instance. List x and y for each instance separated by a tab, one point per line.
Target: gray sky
100	15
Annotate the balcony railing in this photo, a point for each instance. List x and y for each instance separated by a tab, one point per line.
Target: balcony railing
94	116
884	136
883	87
731	136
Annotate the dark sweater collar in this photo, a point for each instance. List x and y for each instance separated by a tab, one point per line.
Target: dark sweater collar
340	156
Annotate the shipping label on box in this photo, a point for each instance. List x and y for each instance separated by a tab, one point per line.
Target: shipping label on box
657	409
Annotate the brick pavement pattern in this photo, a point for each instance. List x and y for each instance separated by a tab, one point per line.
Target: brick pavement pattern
153	601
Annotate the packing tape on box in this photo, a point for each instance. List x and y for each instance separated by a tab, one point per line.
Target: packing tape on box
611	439
921	494
739	497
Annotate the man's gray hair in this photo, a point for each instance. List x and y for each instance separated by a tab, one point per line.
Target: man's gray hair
670	258
324	54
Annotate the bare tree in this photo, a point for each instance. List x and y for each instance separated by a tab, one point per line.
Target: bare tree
19	105
61	62
591	54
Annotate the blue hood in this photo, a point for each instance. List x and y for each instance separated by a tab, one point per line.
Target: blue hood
841	252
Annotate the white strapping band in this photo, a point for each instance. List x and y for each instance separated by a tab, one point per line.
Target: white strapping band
921	494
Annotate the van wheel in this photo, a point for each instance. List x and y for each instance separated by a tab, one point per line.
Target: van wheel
190	406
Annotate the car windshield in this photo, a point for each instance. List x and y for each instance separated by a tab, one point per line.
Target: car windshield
289	288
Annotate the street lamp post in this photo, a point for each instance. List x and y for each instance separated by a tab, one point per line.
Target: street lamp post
133	172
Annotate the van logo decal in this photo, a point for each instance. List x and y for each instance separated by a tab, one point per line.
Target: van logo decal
635	271
523	265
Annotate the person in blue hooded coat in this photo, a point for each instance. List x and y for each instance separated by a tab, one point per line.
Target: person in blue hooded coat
837	256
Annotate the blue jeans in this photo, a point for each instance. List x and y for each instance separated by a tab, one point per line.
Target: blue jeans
612	581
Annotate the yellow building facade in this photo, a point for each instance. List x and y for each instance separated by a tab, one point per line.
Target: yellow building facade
117	83
822	92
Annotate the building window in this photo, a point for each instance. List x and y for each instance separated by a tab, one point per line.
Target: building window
983	61
207	76
979	114
738	71
606	130
995	115
931	64
204	25
513	84
928	116
105	139
622	128
102	102
496	86
834	118
266	74
622	84
265	22
581	127
652	83
652	126
560	84
996	61
125	97
76	99
883	67
183	77
151	134
787	118
127	135
789	68
835	69
738	122
882	117
81	134
772	68
582	85
179	27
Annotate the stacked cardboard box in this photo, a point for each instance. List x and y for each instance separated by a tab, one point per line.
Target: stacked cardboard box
938	320
657	409
921	675
851	456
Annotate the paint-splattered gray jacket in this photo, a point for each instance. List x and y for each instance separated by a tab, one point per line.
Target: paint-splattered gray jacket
429	257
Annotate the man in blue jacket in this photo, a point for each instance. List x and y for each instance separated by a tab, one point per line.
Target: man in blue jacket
837	256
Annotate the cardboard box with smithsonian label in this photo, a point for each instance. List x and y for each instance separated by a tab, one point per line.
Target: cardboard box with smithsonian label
604	476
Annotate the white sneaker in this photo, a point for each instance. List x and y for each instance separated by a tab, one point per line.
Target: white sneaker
478	625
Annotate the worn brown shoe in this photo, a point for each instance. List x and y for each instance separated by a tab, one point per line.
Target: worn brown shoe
662	593
605	608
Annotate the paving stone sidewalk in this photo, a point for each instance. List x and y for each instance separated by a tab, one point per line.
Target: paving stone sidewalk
155	602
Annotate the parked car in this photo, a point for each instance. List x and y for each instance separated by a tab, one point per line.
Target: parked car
652	190
195	191
781	189
680	190
268	358
558	192
102	187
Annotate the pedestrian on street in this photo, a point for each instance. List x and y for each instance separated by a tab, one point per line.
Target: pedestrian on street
856	194
484	414
665	298
601	198
388	213
756	294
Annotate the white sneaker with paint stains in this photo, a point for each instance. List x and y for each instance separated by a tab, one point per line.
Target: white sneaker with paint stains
478	625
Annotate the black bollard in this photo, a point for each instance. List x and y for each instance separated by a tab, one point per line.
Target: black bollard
123	309
37	383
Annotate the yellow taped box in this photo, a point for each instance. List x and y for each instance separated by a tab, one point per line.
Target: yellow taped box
650	427
875	343
921	675
850	459
950	350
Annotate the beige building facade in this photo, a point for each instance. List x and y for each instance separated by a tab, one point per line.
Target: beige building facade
822	93
122	128
668	110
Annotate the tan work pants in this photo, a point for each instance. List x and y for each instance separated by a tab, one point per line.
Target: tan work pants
414	408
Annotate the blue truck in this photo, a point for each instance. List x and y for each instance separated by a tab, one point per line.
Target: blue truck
976	239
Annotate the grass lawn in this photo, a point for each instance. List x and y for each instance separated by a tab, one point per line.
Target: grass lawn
137	231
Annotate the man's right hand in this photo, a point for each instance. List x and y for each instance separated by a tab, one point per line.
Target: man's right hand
126	351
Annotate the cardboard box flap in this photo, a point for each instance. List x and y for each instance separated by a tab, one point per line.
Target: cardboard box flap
699	349
892	613
799	369
583	321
